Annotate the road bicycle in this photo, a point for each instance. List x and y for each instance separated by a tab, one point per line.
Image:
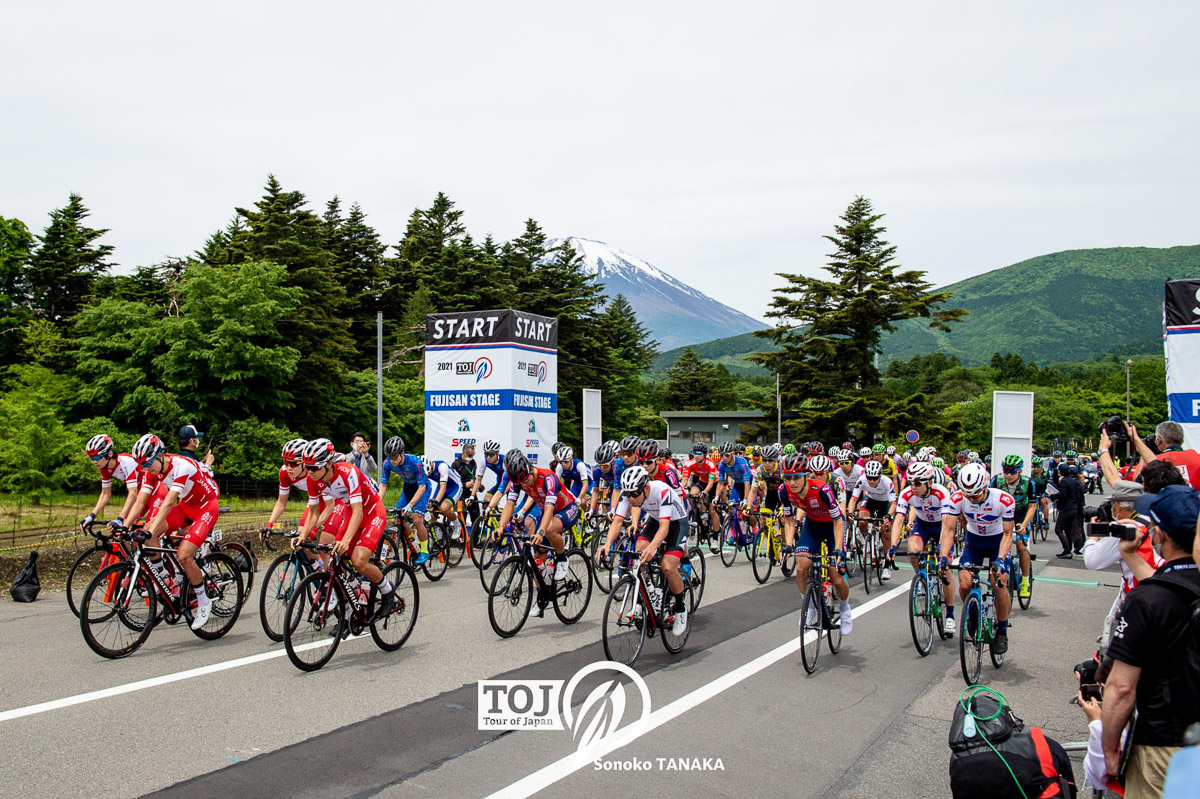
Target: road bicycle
767	549
1014	581
925	602
873	557
280	581
105	551
736	535
1041	526
406	545
335	602
618	560
978	625
818	611
512	592
127	599
638	606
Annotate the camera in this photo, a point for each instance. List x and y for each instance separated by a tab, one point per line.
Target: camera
1115	427
1086	671
1091	691
1125	532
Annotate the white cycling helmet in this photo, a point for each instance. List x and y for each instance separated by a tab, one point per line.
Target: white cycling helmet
427	464
873	469
973	478
921	471
491	447
818	464
634	479
865	452
566	454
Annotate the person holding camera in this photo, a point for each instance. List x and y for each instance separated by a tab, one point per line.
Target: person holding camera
1153	650
359	456
1168	437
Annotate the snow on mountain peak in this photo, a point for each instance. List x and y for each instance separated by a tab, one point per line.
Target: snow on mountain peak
606	262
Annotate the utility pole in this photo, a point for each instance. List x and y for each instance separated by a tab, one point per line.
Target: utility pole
1128	365
778	412
379	385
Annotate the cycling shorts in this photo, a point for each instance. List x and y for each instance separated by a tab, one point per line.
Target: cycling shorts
676	542
335	522
568	516
369	531
696	481
979	547
771	501
410	491
453	492
154	504
812	533
202	518
876	508
740	491
927	530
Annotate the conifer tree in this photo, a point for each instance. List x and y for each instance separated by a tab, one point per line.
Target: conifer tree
68	260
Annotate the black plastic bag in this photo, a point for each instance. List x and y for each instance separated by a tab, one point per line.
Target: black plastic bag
27	586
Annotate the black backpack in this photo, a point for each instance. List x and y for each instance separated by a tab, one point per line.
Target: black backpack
1184	689
1002	758
27	586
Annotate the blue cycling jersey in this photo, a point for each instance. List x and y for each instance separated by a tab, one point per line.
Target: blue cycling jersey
601	477
739	471
497	469
571	475
410	470
442	473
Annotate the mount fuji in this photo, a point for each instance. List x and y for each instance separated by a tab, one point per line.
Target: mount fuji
675	313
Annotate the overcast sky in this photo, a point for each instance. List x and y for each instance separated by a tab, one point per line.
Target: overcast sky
718	141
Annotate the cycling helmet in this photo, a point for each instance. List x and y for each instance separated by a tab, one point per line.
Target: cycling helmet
630	443
789	449
848	446
668	454
1013	461
99	445
318	452
845	456
726	449
921	471
566	454
147	448
1036	463
1070	453
873	469
739	449
633	480
834	452
616	446
961	457
294	449
395	446
555	447
908	453
973	456
973	478
491	447
814	448
937	463
770	452
517	465
819	464
794	464
878	449
752	450
987	458
891	450
648	450
606	453
865	452
427	465
1056	453
699	450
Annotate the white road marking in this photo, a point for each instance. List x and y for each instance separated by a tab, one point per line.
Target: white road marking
547	776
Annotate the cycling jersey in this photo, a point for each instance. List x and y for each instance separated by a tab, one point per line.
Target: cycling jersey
547	490
349	485
442	473
702	469
125	470
497	469
410	470
770	481
663	502
193	485
985	518
1022	492
929	507
1037	486
818	502
574	475
739	471
286	483
883	491
601	478
889	467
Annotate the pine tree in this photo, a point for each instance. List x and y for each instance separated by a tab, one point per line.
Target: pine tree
358	268
696	385
16	245
63	269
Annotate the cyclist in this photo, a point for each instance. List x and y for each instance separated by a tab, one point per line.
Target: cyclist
662	502
111	464
602	473
192	499
988	513
446	485
768	479
359	536
734	478
1037	484
575	474
652	459
919	511
700	474
812	503
874	496
1021	489
627	449
466	468
492	462
415	495
846	476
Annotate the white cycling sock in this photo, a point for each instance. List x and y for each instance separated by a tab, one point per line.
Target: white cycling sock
386	587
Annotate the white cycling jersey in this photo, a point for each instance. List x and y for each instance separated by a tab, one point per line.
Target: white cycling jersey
883	491
662	503
929	507
983	518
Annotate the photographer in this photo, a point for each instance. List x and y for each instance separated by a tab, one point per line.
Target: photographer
1092	677
360	456
1168	437
1150	649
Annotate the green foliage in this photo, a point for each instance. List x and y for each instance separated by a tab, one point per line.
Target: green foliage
249	448
59	277
696	385
36	446
16	244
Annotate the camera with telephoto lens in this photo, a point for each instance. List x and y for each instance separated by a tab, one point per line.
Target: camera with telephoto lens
1115	427
1125	532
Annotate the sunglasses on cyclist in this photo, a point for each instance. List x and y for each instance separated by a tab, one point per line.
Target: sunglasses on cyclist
792	476
97	457
915	483
149	463
1010	470
312	467
291	464
872	479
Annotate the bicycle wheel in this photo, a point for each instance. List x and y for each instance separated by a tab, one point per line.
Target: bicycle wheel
87	564
246	563
478	531
810	629
880	555
223	585
854	555
573	593
696	578
116	610
728	551
456	548
391	631
438	545
970	640
990	626
510	597
312	629
280	580
833	623
760	557
624	629
387	551
1023	601
868	554
675	643
920	614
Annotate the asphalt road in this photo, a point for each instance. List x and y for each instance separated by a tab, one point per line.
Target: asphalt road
234	718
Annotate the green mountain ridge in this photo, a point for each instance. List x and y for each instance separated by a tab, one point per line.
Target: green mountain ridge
1074	305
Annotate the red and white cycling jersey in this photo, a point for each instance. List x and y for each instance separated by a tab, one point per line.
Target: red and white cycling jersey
701	469
983	518
547	489
126	470
348	485
191	482
286	483
929	507
663	503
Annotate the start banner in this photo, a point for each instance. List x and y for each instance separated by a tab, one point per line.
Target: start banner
491	374
1181	343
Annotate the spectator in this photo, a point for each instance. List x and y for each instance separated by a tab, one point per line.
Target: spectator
1093	763
1168	437
360	456
1158	475
1149	650
467	469
189	439
1069	527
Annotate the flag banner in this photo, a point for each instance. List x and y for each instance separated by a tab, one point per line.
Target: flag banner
1181	345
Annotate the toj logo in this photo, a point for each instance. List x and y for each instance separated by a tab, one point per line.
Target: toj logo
550	704
483	368
541	372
